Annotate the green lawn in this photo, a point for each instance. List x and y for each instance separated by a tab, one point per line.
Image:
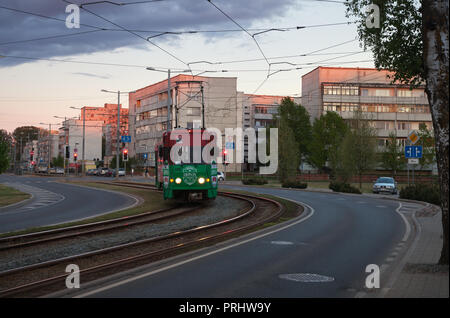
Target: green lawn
9	195
152	201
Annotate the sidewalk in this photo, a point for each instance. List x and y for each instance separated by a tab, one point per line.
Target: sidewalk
420	277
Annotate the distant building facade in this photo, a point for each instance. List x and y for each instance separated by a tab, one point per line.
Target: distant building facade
148	111
71	134
391	107
108	115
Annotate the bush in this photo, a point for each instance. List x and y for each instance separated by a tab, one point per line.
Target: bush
254	181
294	184
343	187
422	192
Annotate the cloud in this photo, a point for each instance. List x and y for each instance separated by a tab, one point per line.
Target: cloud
92	75
169	15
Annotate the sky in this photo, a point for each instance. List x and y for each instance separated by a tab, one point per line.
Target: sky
46	67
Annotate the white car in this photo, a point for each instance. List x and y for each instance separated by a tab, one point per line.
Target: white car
385	184
220	176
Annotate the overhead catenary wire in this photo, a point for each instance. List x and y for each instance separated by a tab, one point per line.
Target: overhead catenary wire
175	31
246	31
131	32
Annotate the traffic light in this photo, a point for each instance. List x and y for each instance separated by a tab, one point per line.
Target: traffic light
75	156
31	155
125	155
224	153
67	152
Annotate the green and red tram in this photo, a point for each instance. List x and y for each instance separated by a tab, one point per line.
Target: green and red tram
181	171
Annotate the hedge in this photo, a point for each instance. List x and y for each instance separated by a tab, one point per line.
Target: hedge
422	192
343	187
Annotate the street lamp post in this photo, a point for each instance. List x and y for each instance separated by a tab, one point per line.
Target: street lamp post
118	127
66	140
49	148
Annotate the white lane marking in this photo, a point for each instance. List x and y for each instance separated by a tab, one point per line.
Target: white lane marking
200	256
408	226
281	243
381	206
307	278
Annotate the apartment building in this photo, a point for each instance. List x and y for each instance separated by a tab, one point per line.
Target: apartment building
148	111
71	134
259	111
47	147
108	116
391	107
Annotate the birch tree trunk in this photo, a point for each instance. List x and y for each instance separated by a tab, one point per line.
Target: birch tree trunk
436	60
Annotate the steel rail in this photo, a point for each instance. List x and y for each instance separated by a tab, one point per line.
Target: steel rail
45	282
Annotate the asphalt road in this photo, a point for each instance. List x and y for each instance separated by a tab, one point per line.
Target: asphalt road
54	203
342	235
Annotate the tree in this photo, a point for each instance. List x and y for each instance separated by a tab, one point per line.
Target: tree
4	156
412	41
328	132
297	118
57	161
392	157
428	146
358	152
22	135
288	152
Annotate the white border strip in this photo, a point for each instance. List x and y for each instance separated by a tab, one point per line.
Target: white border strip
408	226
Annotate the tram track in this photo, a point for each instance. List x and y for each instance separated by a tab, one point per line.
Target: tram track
44	277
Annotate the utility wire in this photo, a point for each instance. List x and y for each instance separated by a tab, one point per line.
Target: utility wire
131	32
240	26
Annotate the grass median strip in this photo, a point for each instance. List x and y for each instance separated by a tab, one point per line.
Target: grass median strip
152	201
10	195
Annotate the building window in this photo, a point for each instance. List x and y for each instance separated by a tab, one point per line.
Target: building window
193	111
383	92
404	93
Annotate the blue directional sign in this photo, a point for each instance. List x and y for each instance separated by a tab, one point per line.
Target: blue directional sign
229	145
413	151
125	138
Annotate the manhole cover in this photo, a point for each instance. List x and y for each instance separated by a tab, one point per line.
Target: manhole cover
307	278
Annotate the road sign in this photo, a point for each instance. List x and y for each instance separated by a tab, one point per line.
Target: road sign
229	145
413	137
125	138
413	161
413	151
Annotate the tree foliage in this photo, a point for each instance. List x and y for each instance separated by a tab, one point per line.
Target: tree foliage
358	152
412	41
4	156
297	118
428	146
288	152
328	132
392	157
397	42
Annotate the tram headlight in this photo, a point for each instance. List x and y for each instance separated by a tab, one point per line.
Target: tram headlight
178	180
201	180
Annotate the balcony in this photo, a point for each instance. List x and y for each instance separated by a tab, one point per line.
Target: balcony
151	121
263	116
157	105
376	99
